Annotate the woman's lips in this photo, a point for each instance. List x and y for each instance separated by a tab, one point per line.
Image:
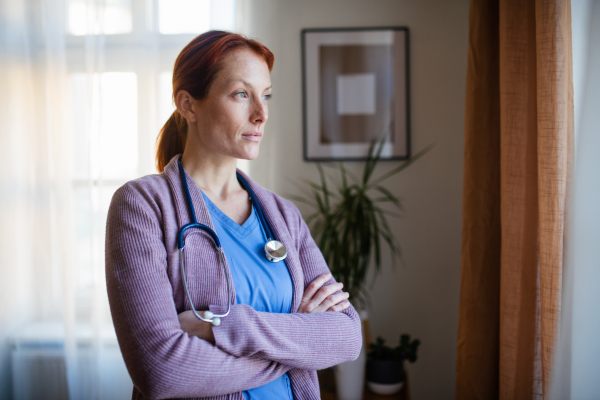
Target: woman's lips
254	136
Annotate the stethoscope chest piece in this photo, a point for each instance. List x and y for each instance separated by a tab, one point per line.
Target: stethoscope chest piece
275	251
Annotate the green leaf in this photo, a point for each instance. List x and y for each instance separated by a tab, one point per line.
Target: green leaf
369	167
302	200
389	196
324	186
400	168
343	173
319	201
387	212
310	183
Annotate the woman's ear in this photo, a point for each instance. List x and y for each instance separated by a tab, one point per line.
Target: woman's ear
185	105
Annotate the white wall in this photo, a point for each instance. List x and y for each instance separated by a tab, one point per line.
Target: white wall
421	296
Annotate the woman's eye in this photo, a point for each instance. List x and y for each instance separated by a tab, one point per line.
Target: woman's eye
267	97
241	95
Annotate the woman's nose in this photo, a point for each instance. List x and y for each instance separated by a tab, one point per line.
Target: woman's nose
260	112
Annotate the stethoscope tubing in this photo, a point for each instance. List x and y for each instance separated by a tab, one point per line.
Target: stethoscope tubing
215	319
258	209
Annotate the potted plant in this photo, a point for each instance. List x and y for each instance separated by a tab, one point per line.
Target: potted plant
349	225
385	366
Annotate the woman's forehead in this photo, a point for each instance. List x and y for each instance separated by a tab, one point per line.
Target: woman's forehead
245	67
246	83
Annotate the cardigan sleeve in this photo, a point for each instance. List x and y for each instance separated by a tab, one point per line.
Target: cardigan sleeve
307	341
162	360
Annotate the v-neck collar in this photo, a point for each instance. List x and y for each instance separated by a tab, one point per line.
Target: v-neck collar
240	230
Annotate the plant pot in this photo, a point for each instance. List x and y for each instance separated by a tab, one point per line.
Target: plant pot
350	376
385	376
385	390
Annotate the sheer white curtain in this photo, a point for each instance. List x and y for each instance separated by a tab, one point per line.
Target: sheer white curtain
577	361
85	87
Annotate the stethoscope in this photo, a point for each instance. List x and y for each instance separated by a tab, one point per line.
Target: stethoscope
274	250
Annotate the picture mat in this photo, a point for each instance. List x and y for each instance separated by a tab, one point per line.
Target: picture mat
397	147
368	72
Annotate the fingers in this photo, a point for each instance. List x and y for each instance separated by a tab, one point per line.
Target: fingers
323	296
336	302
320	298
331	300
314	286
322	301
341	306
337	298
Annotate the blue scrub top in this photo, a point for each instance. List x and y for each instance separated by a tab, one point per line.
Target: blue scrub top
263	285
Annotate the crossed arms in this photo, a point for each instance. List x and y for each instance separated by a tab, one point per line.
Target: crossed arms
251	348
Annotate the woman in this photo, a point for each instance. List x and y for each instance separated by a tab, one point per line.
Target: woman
277	332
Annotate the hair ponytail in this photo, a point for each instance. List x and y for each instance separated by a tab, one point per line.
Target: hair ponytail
171	140
194	71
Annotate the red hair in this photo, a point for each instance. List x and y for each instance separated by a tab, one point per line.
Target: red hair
194	71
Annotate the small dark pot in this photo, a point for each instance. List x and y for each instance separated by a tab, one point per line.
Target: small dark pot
385	371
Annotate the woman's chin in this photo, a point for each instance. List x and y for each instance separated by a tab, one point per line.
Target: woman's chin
249	154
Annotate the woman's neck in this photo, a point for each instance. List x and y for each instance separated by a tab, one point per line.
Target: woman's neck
215	175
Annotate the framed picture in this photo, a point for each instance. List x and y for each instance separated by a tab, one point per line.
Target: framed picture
355	87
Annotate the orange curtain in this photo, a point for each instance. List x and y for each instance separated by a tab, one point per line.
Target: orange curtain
518	145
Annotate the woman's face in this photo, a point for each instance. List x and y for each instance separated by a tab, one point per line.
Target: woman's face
231	118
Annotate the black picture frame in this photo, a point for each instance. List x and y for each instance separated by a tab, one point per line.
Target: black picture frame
345	135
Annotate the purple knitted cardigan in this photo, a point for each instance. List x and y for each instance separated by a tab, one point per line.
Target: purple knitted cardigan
252	348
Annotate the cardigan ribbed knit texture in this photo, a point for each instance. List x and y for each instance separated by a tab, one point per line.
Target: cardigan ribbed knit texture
252	348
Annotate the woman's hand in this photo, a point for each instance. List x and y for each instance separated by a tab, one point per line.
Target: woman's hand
318	299
195	327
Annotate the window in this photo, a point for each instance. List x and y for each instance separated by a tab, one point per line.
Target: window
111	17
120	55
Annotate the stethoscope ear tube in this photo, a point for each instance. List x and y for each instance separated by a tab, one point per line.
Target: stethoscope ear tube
214	319
213	235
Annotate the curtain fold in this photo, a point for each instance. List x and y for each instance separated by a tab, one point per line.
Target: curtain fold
478	330
518	144
519	195
555	146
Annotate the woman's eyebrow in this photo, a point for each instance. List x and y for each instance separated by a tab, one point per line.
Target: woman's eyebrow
247	83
